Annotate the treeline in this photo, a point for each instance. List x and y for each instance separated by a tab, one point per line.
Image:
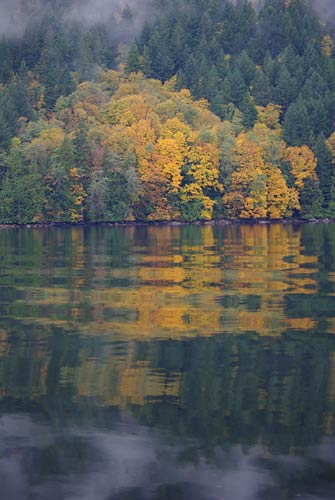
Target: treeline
258	142
54	54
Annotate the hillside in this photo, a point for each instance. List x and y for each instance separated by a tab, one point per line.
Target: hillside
230	115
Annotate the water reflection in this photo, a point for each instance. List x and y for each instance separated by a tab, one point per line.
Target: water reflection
170	281
131	462
168	362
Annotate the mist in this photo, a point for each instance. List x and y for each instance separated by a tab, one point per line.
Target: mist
92	12
12	22
17	15
325	9
125	16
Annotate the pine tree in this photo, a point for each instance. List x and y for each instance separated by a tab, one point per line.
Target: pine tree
21	192
246	67
133	64
82	153
234	88
296	125
311	200
324	169
261	89
248	109
58	197
285	89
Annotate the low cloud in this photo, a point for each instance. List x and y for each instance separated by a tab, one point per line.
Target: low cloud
17	15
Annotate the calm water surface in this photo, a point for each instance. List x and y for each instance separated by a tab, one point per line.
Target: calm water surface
167	363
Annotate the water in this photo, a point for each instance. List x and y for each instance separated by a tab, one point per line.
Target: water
168	363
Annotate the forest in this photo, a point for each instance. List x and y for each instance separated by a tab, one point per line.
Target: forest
172	110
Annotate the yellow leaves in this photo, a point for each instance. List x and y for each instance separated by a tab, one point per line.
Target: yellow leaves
204	167
170	85
74	173
78	195
129	110
249	154
115	110
35	90
277	194
202	104
75	216
331	147
234	203
258	187
303	164
192	192
174	151
207	208
169	154
185	95
255	203
110	79
15	142
120	141
269	115
293	201
250	170
48	140
176	125
143	138
79	200
166	110
327	46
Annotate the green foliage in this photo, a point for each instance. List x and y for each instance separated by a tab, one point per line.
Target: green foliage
21	191
311	200
87	155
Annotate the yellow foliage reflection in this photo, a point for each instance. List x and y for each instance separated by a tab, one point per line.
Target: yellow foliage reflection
178	281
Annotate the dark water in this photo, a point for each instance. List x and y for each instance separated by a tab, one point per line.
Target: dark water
167	363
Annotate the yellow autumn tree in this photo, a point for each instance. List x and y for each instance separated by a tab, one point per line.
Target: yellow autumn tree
302	164
48	140
277	194
269	115
249	179
331	147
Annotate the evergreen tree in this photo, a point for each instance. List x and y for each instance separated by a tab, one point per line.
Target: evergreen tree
246	67
248	109
296	126
58	196
21	192
285	89
133	61
311	200
324	169
234	88
261	89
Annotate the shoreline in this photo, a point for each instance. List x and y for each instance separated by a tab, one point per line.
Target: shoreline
172	223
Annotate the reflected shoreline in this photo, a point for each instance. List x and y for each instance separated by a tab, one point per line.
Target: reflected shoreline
162	223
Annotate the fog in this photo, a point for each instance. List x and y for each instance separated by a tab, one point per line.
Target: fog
325	9
16	15
130	461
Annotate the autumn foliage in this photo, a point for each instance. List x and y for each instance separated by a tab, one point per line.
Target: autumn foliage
129	148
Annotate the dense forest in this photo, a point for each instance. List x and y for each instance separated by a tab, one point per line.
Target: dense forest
174	110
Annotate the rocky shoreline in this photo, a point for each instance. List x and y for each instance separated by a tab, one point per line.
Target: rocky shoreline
221	222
